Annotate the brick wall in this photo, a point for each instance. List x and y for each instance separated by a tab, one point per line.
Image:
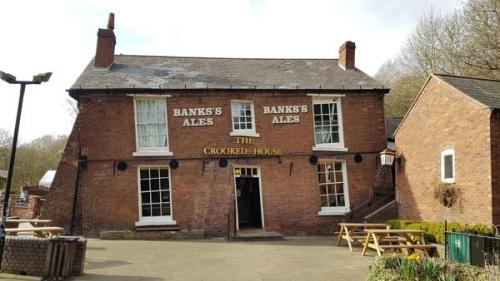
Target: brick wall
443	119
59	204
390	212
28	210
383	178
202	192
24	255
27	256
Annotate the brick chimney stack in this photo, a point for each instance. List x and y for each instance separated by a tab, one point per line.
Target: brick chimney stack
346	55
106	41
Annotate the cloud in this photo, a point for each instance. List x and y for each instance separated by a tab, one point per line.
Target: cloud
60	36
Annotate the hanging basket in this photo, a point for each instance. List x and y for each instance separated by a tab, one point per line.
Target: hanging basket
447	194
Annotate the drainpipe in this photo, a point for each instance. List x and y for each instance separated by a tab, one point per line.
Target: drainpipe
82	161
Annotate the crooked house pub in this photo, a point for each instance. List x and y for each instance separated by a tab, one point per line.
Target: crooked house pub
188	143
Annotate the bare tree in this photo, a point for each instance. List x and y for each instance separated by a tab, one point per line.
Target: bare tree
464	42
481	52
5	146
402	94
33	159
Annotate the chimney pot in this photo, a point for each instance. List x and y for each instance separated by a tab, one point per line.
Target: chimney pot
106	41
347	54
111	21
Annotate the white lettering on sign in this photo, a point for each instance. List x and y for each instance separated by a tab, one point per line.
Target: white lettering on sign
287	119
198	122
285	109
195	112
201	111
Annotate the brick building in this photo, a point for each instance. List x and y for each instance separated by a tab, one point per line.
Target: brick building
451	134
186	143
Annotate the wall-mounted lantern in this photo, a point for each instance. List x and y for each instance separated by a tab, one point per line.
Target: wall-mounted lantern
387	157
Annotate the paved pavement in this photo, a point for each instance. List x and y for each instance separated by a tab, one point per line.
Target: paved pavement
296	259
311	258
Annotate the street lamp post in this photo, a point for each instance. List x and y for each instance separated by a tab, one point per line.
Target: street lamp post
11	79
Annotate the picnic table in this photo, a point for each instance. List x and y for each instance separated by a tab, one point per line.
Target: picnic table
11	223
356	232
41	232
395	239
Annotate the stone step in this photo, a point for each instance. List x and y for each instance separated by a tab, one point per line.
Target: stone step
152	234
258	236
157	228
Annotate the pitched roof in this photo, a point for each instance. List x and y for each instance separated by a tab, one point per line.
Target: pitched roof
154	72
484	91
390	126
47	178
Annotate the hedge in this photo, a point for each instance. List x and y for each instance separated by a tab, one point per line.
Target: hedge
435	230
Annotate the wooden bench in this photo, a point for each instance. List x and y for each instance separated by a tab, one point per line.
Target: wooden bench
380	240
351	232
14	223
425	248
42	232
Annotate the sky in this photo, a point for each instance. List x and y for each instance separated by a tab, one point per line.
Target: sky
60	36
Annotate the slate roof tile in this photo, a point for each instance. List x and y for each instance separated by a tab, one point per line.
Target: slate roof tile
153	72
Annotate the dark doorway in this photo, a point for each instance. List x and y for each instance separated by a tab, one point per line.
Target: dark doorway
248	198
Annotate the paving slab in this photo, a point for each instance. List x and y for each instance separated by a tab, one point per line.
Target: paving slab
305	258
295	259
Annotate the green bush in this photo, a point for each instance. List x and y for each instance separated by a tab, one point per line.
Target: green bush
434	231
383	269
401	268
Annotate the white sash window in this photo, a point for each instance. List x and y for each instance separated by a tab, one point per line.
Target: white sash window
333	189
328	131
243	117
155	200
151	126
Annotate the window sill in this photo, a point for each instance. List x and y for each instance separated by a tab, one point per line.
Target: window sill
333	213
157	222
316	148
448	180
244	134
153	153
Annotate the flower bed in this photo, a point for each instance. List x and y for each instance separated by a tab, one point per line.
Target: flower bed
400	268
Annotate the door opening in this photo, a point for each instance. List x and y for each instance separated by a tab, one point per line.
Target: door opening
248	197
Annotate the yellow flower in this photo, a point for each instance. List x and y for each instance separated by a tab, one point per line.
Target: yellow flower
414	257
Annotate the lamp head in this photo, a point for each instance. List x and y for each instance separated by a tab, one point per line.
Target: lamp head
387	157
42	77
9	78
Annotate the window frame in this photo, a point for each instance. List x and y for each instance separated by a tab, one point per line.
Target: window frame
444	153
156	220
339	210
340	145
244	132
151	151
